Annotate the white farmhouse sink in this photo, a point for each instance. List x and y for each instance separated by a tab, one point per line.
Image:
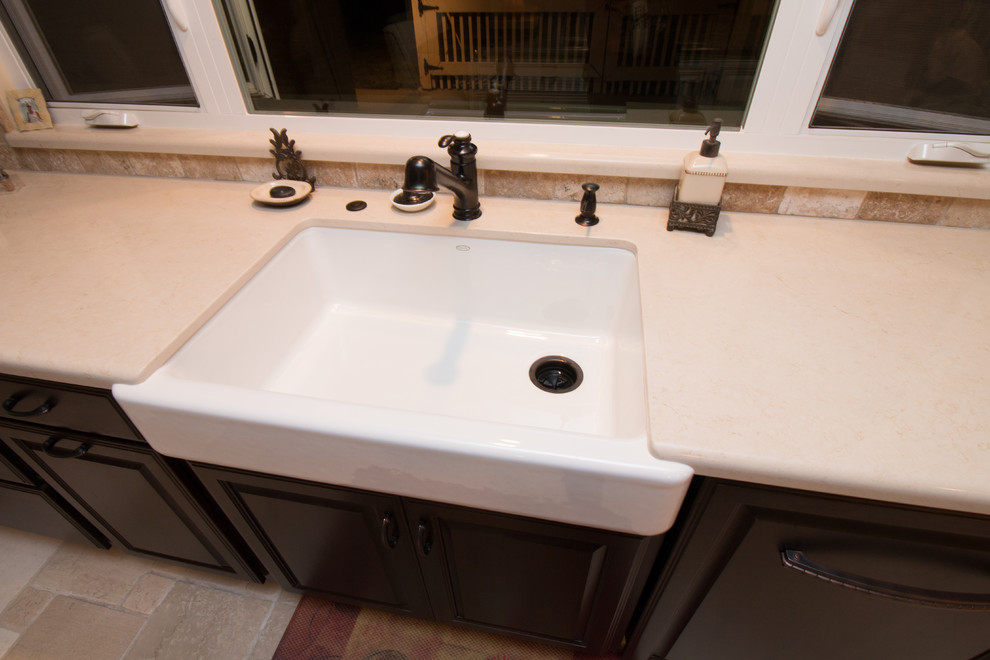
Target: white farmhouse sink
401	363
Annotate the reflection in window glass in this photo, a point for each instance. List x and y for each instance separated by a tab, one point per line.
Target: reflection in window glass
634	61
100	50
911	66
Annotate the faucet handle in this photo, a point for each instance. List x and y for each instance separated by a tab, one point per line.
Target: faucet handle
457	139
460	149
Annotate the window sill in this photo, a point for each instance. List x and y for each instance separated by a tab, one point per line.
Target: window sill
852	174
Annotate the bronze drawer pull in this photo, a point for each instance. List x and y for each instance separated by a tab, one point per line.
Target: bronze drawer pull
49	448
928	597
390	531
14	399
424	538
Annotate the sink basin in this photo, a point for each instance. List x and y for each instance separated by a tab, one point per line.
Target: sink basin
402	363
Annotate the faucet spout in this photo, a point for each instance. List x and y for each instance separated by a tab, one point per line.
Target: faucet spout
425	175
465	189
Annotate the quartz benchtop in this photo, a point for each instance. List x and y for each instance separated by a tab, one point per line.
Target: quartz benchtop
839	356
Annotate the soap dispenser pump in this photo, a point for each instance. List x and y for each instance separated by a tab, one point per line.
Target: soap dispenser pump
698	196
703	176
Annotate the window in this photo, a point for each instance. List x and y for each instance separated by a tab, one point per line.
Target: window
100	50
630	61
616	76
923	69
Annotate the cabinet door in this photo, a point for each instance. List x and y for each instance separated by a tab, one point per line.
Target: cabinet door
337	543
129	493
12	470
41	511
768	574
29	505
559	583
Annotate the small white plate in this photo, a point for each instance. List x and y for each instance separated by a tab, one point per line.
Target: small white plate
411	208
263	193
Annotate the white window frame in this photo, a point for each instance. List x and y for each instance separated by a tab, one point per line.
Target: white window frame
783	100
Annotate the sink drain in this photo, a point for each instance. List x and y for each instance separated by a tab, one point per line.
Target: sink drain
556	374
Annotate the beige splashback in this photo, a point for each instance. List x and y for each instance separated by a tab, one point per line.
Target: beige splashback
760	183
640	191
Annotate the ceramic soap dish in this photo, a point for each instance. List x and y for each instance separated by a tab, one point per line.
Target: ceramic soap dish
281	193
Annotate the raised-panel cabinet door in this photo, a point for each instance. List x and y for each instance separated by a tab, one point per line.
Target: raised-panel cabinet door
772	574
337	543
126	490
558	583
41	511
11	468
29	505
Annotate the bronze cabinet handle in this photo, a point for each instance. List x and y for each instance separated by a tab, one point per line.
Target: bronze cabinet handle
14	399
49	448
928	597
390	531
424	539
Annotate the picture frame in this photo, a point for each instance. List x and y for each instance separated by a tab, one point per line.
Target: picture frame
28	109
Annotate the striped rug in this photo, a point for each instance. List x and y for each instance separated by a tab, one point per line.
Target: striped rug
321	630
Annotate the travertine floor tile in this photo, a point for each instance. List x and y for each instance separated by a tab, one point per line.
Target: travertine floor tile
105	576
7	640
147	593
269	590
271	634
70	628
201	622
23	610
23	555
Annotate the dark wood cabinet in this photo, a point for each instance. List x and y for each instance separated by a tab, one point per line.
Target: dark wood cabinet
548	581
535	579
28	504
336	543
63	406
759	573
118	486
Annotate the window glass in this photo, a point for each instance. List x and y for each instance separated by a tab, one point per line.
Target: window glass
911	66
100	50
631	61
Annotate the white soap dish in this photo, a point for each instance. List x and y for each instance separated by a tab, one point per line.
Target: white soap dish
420	202
281	193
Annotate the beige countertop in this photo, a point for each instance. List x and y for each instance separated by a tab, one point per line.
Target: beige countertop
840	356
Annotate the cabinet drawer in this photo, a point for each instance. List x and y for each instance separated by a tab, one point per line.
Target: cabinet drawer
60	405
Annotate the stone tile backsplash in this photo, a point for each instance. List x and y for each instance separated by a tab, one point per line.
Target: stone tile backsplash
793	200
